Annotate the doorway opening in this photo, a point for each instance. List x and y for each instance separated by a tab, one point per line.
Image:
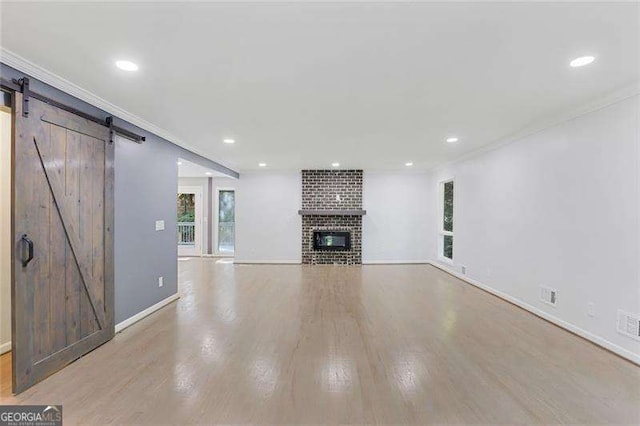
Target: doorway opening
205	211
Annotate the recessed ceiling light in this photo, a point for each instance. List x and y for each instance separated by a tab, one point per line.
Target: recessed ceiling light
335	164
179	163
409	164
208	173
452	139
126	66
582	61
229	141
262	164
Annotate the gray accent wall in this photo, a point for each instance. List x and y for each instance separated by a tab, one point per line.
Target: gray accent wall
145	191
146	182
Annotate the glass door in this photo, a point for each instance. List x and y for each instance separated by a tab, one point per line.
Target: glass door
226	222
189	221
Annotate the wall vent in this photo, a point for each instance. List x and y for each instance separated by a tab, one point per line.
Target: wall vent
549	295
629	324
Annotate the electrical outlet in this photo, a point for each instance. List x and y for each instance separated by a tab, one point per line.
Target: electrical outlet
159	225
463	269
591	309
160	281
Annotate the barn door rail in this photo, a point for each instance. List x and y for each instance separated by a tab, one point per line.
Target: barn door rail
22	85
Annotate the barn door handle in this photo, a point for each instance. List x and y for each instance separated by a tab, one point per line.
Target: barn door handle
26	239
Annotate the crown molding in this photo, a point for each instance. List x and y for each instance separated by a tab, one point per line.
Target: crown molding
548	123
21	64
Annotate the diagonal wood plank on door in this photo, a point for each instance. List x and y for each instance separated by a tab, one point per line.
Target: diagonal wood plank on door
72	233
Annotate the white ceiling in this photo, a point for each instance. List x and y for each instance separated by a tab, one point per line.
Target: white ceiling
303	85
187	169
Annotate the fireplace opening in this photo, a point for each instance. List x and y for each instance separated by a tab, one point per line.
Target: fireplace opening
332	240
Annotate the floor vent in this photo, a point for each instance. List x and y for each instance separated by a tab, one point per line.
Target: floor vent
549	295
629	324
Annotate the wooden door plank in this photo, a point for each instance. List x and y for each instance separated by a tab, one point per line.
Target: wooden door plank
57	282
85	235
72	230
67	355
22	293
41	263
73	122
73	282
96	164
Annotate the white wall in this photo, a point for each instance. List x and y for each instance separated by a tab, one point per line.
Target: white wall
395	229
559	208
5	231
268	226
399	217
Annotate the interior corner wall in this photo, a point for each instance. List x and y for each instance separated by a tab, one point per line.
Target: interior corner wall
400	210
559	208
5	231
268	225
146	186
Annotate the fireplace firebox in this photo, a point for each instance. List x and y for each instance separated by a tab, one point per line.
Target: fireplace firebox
332	240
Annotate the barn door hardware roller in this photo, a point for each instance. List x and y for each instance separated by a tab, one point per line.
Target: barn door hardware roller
109	123
24	84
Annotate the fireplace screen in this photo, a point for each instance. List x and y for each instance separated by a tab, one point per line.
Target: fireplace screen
331	240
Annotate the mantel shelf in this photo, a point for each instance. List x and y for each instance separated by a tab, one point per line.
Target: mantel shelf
334	212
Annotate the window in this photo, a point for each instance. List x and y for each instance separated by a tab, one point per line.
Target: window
445	246
226	221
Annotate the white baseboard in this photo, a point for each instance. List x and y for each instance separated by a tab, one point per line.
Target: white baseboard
5	347
267	262
633	357
395	262
151	309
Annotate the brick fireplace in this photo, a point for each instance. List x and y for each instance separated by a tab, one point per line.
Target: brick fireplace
332	203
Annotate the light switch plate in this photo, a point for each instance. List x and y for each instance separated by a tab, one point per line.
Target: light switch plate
159	225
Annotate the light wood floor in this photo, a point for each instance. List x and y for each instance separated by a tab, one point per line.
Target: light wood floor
376	344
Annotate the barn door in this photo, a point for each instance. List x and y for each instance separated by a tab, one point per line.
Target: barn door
62	294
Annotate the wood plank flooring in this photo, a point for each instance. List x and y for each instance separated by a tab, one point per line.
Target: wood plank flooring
5	376
386	344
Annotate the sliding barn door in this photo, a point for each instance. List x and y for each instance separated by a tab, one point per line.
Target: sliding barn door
62	296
